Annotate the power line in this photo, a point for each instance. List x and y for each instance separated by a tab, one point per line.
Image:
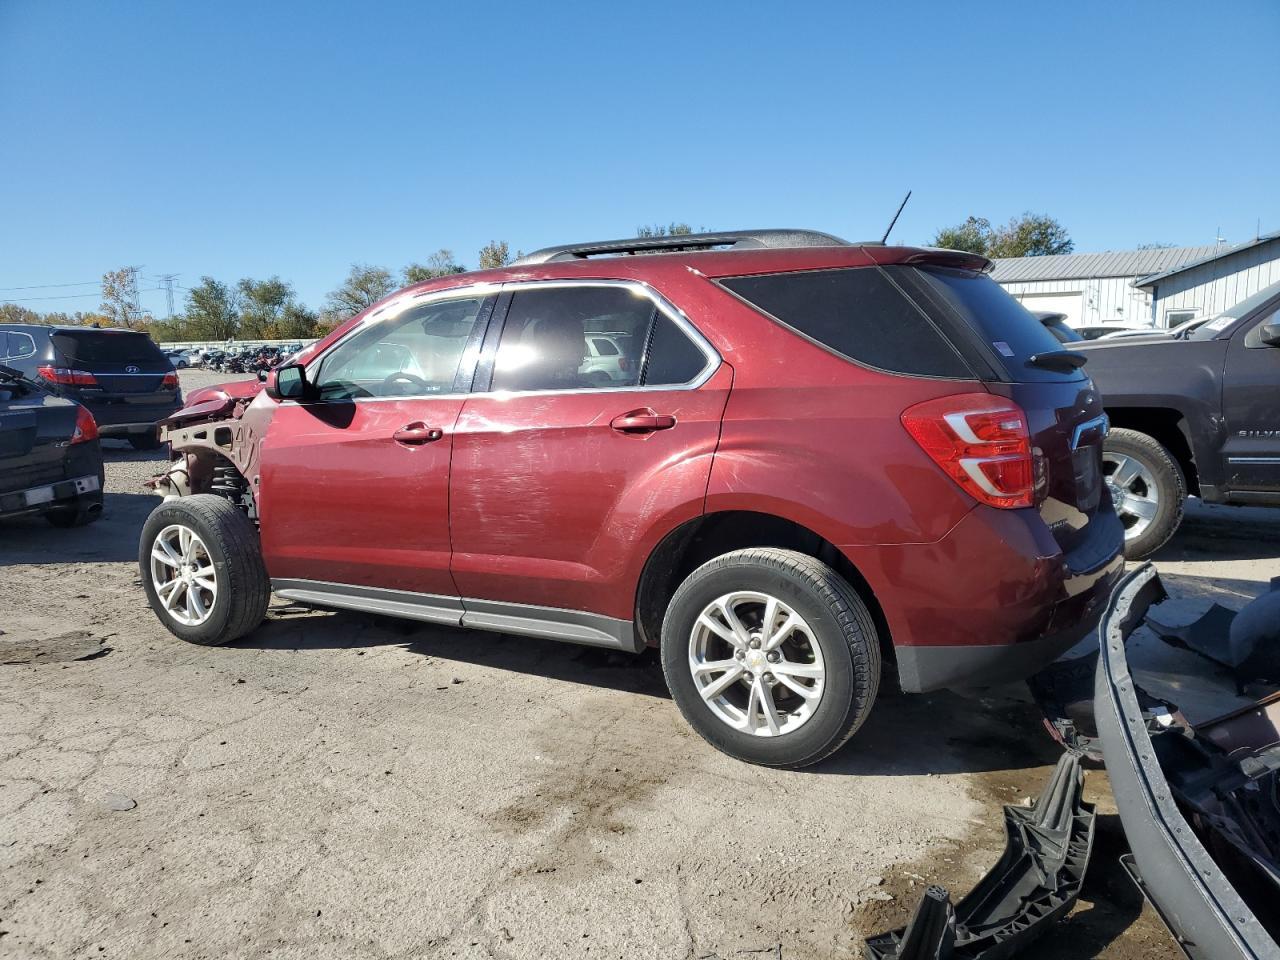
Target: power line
70	296
46	286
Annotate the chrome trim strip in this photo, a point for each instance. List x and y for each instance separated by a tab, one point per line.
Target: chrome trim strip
673	313
1253	459
1102	421
552	623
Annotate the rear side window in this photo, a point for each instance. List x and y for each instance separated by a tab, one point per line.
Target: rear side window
858	313
673	357
17	346
103	346
1008	329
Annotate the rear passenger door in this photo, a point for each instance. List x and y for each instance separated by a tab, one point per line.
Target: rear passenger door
560	468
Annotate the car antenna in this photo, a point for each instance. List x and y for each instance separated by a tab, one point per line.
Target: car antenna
895	217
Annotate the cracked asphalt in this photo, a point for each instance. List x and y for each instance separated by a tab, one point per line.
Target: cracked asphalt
342	785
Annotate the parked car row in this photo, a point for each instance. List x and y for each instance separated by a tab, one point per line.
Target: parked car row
249	358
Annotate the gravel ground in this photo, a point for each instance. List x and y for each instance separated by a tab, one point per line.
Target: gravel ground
337	784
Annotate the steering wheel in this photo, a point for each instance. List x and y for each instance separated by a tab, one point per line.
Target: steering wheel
402	376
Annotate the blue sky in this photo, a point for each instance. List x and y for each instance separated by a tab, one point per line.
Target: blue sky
250	139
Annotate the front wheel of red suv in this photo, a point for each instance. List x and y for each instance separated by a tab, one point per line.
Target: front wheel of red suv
771	656
202	569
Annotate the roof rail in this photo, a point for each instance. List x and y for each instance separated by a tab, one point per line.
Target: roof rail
684	243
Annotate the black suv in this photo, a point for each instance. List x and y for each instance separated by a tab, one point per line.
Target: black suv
120	375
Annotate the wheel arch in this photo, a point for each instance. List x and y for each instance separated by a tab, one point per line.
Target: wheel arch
1170	428
709	535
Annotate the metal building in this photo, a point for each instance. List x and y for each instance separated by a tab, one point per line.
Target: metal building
1159	287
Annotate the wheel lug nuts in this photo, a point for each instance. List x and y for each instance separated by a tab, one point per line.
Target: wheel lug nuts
774	657
768	678
755	644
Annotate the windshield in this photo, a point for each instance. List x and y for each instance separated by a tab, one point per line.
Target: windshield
1211	329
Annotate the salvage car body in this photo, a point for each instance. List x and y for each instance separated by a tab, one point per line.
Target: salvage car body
527	513
1199	802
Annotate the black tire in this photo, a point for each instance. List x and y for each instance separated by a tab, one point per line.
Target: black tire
145	441
1170	489
232	542
85	510
842	628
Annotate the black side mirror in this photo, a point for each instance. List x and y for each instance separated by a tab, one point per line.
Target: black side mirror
1270	333
288	383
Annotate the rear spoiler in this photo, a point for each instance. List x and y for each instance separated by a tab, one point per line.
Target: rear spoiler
935	257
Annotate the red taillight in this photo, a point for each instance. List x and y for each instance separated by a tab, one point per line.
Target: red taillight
169	381
624	364
982	442
68	377
86	427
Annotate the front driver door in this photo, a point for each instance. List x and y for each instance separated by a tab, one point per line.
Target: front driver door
355	481
1251	406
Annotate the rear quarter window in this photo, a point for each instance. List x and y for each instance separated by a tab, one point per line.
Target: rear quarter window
859	313
1007	329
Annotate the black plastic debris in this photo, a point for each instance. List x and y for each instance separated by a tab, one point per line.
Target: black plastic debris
1036	881
1246	643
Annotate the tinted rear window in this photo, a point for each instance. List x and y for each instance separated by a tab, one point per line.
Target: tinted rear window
858	313
102	346
1008	329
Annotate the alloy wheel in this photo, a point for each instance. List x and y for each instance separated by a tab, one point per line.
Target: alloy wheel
756	664
183	575
1133	491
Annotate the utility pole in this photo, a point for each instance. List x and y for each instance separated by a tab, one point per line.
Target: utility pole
167	281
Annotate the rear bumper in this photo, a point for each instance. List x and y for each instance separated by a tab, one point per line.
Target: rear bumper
48	495
992	602
123	419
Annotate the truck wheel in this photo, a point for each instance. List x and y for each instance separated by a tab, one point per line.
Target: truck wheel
1146	487
771	656
202	569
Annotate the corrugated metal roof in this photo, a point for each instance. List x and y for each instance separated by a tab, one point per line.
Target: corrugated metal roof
1217	254
1117	263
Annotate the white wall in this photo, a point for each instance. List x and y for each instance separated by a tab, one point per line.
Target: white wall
1102	299
1213	287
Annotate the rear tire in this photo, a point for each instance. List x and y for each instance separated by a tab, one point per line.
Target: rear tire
229	578
828	667
1147	487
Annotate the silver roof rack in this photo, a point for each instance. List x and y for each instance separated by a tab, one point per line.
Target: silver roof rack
684	243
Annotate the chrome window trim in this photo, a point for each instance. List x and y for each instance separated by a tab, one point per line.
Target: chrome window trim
20	356
402	303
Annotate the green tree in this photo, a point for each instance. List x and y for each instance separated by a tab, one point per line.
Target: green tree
494	254
439	264
672	229
262	307
213	311
297	323
364	286
972	236
1030	235
120	297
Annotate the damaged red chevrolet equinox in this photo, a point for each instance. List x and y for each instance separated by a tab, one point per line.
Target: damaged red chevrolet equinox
780	458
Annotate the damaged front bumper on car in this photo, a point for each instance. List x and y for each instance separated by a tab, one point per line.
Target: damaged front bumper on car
1200	805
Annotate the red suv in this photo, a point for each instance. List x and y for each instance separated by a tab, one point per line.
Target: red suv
807	456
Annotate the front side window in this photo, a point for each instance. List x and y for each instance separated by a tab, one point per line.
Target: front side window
415	353
591	337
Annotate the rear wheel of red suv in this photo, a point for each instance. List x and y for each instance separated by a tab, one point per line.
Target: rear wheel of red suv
771	656
202	569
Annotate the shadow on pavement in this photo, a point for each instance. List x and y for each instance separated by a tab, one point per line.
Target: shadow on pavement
112	538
